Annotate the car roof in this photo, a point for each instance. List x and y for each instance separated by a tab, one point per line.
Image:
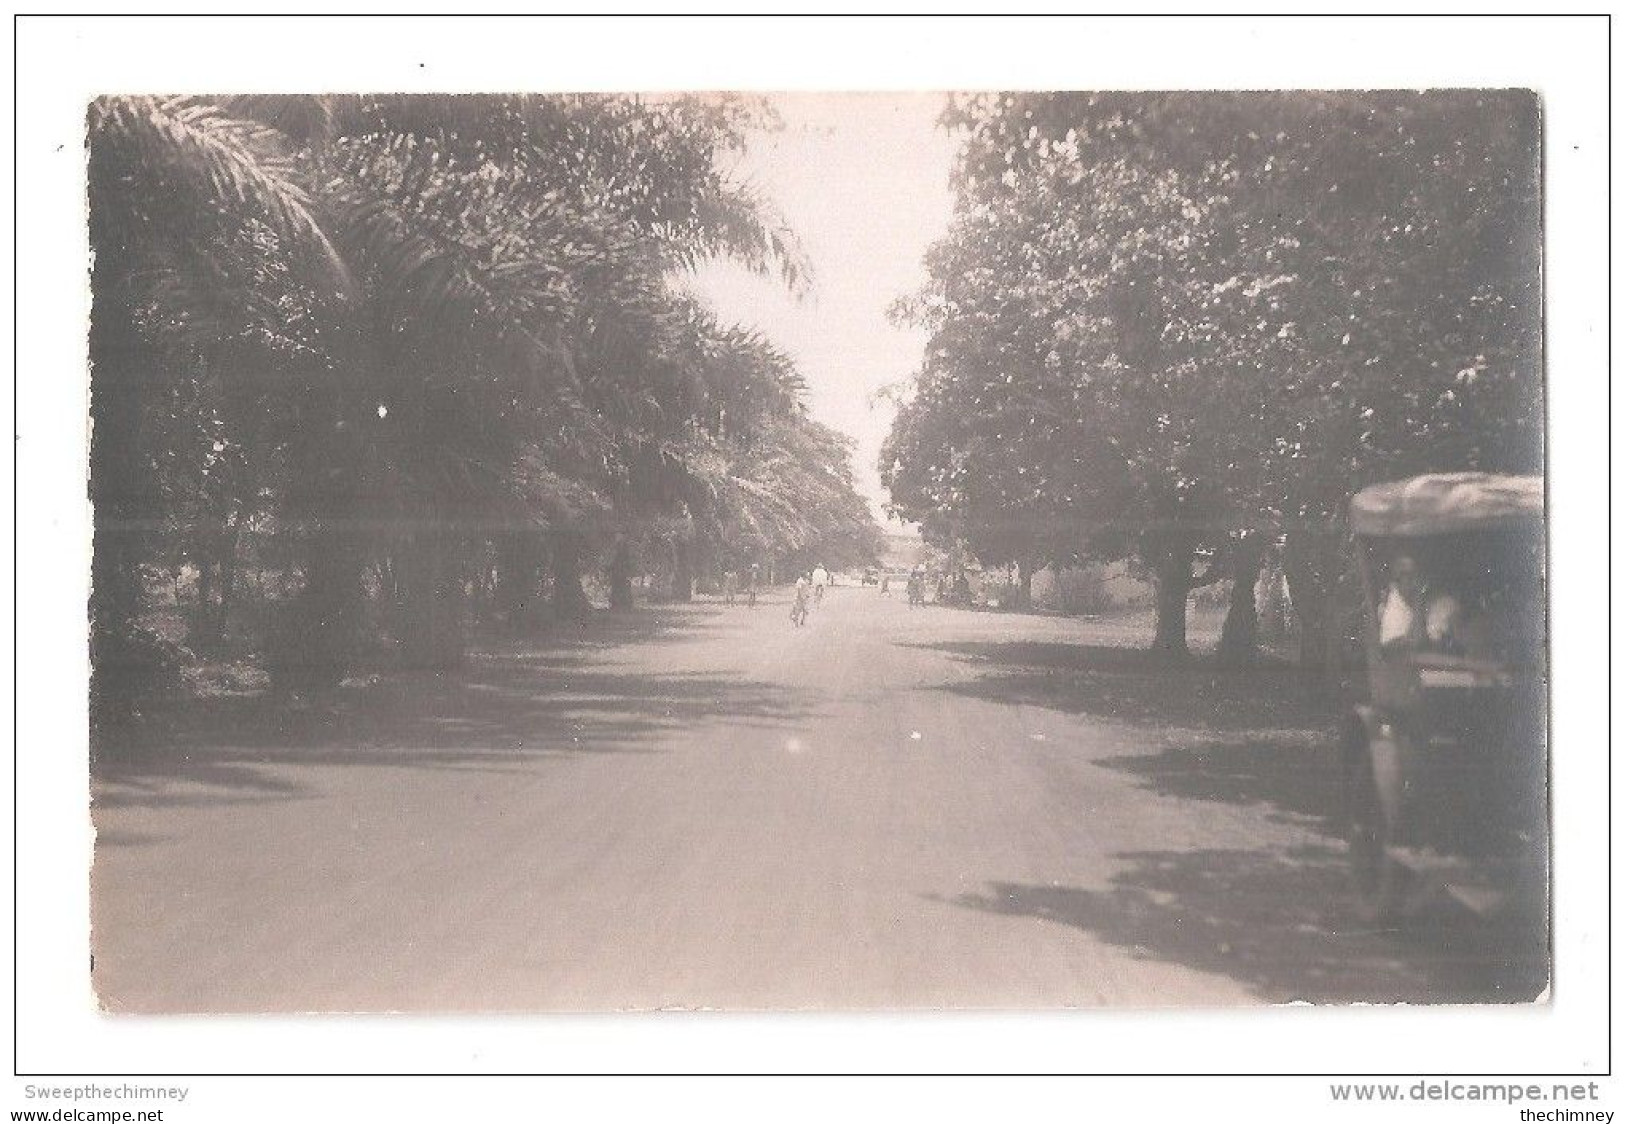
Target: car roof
1445	503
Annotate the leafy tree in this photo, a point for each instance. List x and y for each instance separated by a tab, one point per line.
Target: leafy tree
1153	315
178	190
436	343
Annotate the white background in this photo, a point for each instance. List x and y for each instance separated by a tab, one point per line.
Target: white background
64	63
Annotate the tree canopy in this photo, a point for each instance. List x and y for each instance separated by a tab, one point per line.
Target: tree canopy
397	337
1160	321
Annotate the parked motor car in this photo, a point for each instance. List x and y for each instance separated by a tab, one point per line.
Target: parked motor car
1444	768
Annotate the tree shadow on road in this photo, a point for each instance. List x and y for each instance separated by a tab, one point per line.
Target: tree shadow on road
504	712
1265	920
1270	918
1259	736
1293	779
1132	686
575	642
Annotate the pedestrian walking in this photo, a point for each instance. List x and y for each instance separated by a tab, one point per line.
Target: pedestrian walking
798	607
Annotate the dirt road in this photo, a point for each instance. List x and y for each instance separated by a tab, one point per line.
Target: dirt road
703	807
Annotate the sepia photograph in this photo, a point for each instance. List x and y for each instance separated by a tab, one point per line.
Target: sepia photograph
569	564
634	551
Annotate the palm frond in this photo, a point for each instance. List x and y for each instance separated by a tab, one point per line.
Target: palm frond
195	146
739	222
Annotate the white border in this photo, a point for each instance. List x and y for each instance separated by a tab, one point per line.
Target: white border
63	63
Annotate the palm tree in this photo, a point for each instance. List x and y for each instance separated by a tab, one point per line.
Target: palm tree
169	180
457	264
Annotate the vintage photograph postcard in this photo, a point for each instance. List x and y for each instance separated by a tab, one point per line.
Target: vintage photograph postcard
855	551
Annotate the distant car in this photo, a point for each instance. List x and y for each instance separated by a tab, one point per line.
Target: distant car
871	576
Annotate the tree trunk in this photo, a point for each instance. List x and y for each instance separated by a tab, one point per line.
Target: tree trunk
432	634
1342	619
318	636
120	366
569	599
228	585
682	577
1310	560
620	575
707	574
1027	569
518	567
321	624
1238	640
199	633
1309	606
1272	609
216	567
1172	570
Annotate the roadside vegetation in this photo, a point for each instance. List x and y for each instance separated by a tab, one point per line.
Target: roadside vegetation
372	373
1181	331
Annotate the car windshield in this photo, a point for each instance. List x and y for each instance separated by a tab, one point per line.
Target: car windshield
1478	595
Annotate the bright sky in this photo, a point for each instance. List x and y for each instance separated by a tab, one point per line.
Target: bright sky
863	181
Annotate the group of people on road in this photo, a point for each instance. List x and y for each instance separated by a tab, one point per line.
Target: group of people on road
730	585
809	591
957	591
810	586
916	587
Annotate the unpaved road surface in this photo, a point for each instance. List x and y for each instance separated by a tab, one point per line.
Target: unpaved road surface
704	807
